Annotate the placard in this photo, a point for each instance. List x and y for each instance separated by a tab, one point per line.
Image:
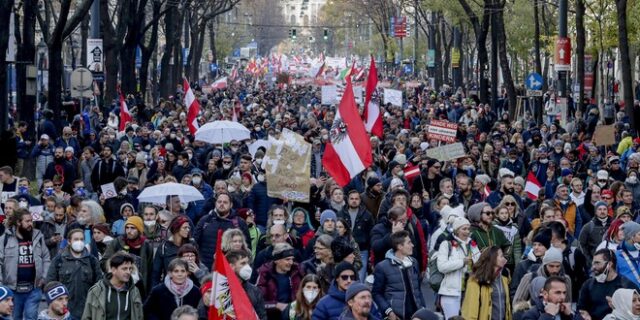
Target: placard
441	130
604	136
288	167
109	190
447	152
393	96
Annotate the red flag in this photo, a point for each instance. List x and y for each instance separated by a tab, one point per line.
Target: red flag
125	115
372	116
411	172
349	151
532	186
229	300
192	103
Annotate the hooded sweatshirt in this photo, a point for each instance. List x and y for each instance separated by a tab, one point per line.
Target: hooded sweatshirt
118	304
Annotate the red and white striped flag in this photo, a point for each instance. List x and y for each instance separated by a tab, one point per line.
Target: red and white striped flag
193	106
411	172
219	84
349	151
372	116
532	187
125	115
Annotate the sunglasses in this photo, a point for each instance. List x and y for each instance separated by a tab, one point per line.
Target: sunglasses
489	213
57	184
226	162
511	204
346	277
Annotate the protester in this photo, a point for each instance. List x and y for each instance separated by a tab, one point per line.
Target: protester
307	298
359	304
239	261
333	303
553	302
57	297
279	280
175	291
487	283
6	303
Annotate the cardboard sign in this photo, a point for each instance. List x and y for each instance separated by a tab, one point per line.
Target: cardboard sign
288	167
441	130
447	152
604	136
393	96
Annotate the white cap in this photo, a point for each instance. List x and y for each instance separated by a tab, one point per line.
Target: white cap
44	136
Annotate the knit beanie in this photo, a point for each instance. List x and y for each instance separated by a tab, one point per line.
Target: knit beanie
483	178
475	211
136	222
340	249
342	266
630	229
327	214
425	314
459	222
354	289
177	223
127	205
552	255
601	203
5	293
372	181
544	238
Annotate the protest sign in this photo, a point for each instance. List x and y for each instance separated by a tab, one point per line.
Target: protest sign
441	130
393	96
604	136
288	167
447	152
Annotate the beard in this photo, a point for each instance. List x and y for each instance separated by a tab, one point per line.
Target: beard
26	233
365	312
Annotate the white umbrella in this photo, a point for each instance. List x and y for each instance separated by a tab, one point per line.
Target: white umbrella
222	131
158	194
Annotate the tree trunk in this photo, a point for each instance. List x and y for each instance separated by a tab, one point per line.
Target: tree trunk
504	60
6	7
166	64
446	66
212	42
625	61
149	51
438	58
26	53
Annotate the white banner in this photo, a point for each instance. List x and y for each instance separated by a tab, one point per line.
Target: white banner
447	152
336	62
393	96
333	94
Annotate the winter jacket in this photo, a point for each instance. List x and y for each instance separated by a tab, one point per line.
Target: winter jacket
481	309
9	258
570	214
592	292
372	202
450	260
162	301
43	155
165	253
105	172
195	209
260	202
389	288
269	287
381	241
86	167
49	229
591	236
101	298
255	296
363	225
347	314
331	305
493	237
77	274
538	313
207	229
530	263
523	294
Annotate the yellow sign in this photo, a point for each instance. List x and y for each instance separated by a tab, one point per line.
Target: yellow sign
288	167
455	58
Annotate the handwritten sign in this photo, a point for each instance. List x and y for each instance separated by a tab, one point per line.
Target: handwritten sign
109	190
447	152
604	136
288	167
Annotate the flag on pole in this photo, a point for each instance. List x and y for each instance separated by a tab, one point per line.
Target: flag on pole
411	172
372	116
349	151
532	187
193	106
125	115
229	300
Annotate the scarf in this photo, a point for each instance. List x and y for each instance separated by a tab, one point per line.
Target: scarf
622	304
135	243
304	228
178	290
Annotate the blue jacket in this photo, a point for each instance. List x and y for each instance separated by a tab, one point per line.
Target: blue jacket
205	233
194	211
623	267
389	289
260	202
330	306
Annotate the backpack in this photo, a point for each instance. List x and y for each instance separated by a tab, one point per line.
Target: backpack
435	276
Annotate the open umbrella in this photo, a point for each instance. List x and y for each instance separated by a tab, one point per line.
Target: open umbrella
222	131
158	194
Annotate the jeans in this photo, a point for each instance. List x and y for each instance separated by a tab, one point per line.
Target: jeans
362	274
26	304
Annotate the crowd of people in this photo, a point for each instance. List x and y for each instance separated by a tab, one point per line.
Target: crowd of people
469	230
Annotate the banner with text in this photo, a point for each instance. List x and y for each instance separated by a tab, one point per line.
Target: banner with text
447	152
441	130
393	96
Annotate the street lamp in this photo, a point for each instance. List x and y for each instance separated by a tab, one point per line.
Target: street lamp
42	50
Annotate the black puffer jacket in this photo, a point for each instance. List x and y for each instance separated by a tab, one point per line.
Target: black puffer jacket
166	252
363	225
206	233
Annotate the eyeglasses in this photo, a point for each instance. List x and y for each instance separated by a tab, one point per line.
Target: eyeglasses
347	277
275	236
510	204
489	213
226	162
57	184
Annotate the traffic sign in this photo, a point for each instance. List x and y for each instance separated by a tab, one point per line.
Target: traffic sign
94	55
81	83
534	81
563	54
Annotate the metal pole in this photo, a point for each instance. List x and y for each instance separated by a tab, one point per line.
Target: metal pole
415	36
562	32
95	19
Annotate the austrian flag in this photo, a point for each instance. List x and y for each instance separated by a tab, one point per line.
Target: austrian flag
193	106
532	186
349	151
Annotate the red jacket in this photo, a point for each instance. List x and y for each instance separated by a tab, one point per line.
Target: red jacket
268	286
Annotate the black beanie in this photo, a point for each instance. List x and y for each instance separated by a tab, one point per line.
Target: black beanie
342	266
340	249
543	237
371	182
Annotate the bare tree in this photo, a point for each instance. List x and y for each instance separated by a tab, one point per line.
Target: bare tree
6	7
625	61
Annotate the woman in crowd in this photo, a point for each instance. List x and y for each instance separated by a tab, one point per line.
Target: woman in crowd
307	297
167	251
487	283
175	291
197	270
625	304
233	239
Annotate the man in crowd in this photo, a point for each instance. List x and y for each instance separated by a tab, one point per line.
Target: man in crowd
334	302
592	233
124	300
239	261
6	303
482	229
57	297
553	304
361	222
359	303
24	262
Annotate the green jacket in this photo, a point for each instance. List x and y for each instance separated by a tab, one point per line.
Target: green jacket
96	305
493	237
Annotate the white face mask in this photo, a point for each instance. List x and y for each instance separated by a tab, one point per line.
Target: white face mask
180	162
601	278
226	166
278	222
231	189
259	161
400	174
77	246
261	178
310	295
544	161
196	181
632	180
245	272
150	223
